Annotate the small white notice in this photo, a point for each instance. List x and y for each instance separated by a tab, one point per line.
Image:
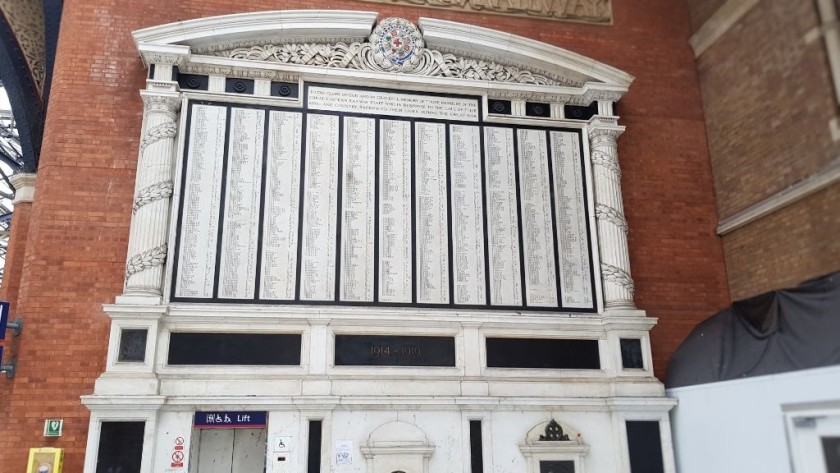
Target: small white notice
282	444
343	452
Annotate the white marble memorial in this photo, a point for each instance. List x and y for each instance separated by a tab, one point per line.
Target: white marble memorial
317	275
357	209
432	255
535	208
395	210
201	202
282	196
502	218
467	213
570	218
240	229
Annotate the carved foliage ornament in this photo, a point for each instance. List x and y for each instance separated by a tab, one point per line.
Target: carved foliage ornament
395	45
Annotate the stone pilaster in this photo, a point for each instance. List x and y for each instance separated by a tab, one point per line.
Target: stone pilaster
609	213
152	194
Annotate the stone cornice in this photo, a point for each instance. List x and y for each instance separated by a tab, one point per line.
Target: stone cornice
172	55
830	175
719	24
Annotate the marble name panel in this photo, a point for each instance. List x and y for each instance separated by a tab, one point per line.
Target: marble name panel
367	197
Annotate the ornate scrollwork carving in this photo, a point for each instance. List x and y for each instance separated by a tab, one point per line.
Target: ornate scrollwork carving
155	134
617	276
161	190
554	433
609	214
361	56
608	161
147	259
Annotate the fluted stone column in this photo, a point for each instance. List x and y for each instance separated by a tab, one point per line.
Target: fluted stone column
153	190
609	213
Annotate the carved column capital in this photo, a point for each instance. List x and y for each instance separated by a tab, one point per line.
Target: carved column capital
161	101
604	128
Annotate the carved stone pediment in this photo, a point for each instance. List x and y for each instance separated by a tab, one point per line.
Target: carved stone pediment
297	41
395	45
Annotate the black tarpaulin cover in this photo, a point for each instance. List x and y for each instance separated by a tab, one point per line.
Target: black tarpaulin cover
776	332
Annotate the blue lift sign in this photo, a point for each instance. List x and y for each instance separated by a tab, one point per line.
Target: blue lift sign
230	420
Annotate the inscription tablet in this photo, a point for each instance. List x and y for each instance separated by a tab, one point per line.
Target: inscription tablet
570	219
430	205
357	202
537	231
467	212
502	217
282	188
201	201
319	209
393	104
395	209
238	265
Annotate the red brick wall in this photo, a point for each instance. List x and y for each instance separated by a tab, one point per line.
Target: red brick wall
768	101
702	10
79	230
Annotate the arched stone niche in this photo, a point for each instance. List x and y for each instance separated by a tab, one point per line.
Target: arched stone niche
551	442
397	447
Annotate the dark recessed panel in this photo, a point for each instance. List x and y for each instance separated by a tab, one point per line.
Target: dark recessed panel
576	112
831	451
563	466
120	447
132	345
631	353
534	109
387	350
542	353
239	86
284	89
234	349
476	445
313	453
500	107
645	447
193	82
151	71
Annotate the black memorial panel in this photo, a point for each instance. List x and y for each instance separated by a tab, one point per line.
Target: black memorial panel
645	447
284	89
239	86
120	447
831	451
542	353
561	466
133	345
631	353
234	349
387	350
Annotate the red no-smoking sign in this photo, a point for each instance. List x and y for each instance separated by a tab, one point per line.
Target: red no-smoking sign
177	459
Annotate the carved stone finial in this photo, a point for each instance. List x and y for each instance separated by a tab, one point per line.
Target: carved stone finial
554	433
